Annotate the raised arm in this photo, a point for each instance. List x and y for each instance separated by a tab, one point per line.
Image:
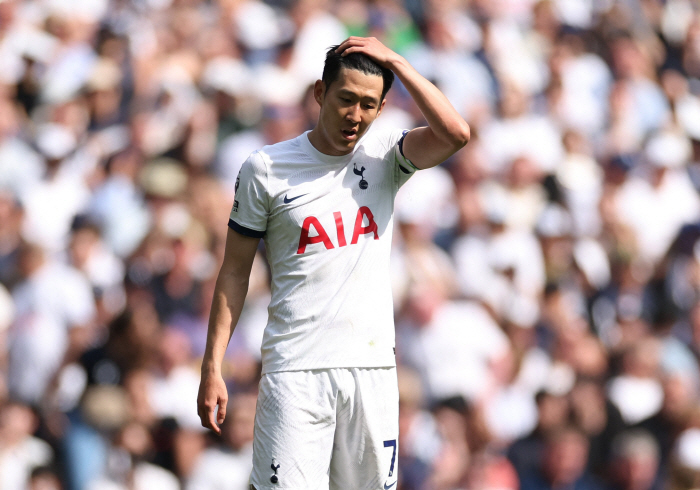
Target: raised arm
446	132
229	295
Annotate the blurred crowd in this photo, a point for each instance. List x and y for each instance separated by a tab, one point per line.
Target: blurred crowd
546	278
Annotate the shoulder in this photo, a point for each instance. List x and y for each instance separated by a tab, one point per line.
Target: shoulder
279	151
386	136
381	141
257	161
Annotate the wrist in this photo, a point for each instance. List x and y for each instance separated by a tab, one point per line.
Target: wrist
396	63
400	67
210	367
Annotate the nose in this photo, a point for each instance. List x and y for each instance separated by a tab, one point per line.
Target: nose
353	114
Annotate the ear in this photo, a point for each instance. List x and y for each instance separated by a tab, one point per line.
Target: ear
319	91
381	106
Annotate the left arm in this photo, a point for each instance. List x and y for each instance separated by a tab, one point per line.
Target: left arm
447	131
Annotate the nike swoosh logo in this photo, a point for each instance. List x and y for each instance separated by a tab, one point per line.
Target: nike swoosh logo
387	487
287	200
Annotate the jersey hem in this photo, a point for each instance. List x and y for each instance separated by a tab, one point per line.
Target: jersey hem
286	367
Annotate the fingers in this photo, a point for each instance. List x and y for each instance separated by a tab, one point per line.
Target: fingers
208	419
354	44
351	50
208	414
369	46
212	394
342	46
211	423
221	414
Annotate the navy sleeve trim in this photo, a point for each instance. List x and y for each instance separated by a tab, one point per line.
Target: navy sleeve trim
409	162
245	231
405	132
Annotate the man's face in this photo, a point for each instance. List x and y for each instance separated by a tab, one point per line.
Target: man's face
348	107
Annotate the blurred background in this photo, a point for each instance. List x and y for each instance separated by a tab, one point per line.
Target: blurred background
546	278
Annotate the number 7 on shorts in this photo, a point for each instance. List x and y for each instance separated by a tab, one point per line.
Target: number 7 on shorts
392	444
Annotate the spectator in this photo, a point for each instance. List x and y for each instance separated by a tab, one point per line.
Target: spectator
235	453
20	452
44	478
563	464
454	345
635	461
54	319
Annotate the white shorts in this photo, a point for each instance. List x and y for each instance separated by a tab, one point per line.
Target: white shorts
327	428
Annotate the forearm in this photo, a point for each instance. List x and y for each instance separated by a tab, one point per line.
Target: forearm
229	295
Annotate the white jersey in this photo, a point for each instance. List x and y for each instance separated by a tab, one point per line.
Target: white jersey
327	224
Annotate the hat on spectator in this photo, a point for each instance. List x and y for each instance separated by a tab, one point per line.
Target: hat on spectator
163	177
105	407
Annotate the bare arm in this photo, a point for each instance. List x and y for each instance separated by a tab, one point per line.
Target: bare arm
446	132
229	295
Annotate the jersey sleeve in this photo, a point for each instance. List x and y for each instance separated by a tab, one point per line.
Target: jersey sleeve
404	167
251	204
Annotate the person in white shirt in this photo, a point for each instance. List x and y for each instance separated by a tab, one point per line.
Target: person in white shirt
53	324
327	411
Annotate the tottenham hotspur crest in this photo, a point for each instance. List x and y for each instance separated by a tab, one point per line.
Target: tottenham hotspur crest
363	182
274	466
235	189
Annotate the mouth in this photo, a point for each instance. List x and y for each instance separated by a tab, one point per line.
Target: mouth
349	134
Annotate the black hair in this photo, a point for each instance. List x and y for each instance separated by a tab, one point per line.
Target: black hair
354	61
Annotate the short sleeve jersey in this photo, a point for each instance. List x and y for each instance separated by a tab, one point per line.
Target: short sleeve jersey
327	226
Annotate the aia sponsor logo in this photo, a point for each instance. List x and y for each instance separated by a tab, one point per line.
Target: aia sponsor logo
313	225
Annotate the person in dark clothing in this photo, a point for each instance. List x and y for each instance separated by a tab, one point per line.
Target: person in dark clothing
634	461
563	466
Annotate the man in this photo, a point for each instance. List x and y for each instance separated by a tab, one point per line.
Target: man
563	464
327	411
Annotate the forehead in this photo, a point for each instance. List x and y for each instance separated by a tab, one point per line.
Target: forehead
359	83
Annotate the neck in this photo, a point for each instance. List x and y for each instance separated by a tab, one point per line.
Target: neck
319	141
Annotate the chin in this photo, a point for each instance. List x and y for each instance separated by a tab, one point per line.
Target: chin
345	147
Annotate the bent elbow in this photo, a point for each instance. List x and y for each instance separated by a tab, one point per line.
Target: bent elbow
462	135
458	136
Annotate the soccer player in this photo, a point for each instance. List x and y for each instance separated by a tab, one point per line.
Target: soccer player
327	410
